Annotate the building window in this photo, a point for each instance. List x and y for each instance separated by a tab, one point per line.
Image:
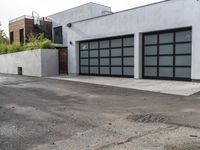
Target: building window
58	36
11	37
21	36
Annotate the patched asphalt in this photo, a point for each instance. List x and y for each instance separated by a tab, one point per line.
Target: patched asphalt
46	114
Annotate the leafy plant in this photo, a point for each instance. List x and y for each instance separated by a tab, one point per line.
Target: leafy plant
3	37
39	41
34	42
11	48
3	48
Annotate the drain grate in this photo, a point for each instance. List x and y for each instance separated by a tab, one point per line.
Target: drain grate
147	118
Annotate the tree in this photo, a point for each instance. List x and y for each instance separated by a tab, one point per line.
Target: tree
3	37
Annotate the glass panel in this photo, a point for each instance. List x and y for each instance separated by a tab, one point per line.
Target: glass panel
104	70
104	44
94	53
116	52
116	70
58	35
104	61
150	50
85	70
129	61
184	36
84	46
93	61
183	72
183	48
116	61
166	38
166	60
93	45
94	70
129	41
166	49
166	72
150	39
116	43
104	53
183	60
129	51
129	71
150	71
150	61
84	53
84	61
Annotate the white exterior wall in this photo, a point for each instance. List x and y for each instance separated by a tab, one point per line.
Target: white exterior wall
34	63
82	12
161	16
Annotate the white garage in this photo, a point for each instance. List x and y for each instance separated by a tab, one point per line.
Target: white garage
165	44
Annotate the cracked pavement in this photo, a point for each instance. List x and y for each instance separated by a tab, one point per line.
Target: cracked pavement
46	114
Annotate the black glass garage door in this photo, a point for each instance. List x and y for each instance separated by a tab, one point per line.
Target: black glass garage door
107	57
167	55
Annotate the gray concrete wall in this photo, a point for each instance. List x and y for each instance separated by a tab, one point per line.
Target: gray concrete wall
32	62
50	64
82	12
161	16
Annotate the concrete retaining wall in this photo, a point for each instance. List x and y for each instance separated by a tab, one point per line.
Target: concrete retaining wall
41	62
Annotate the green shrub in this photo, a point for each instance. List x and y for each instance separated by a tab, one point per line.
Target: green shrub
45	44
3	48
10	48
3	37
34	42
16	47
39	41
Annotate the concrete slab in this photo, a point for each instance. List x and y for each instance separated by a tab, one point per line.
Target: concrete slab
182	88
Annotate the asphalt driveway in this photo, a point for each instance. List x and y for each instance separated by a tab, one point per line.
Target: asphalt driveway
46	114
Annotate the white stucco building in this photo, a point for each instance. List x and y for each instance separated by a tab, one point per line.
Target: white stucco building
86	11
158	41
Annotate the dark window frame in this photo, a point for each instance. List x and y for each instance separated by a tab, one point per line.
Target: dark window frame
11	37
60	39
21	36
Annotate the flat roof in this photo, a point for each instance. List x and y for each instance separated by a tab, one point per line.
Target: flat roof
28	17
162	1
20	18
77	7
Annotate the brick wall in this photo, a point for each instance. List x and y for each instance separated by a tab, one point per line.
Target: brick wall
15	27
29	28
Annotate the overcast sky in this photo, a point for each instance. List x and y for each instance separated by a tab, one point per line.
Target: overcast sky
10	9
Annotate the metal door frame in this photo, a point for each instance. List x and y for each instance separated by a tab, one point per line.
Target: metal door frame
104	39
174	48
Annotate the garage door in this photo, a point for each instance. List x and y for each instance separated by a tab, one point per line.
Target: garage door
107	57
167	55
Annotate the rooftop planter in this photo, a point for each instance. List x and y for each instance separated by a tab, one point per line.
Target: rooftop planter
36	58
35	42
